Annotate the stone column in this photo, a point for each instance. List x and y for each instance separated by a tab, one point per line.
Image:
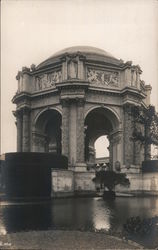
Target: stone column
81	74
64	68
80	132
116	148
19	131
26	131
72	132
91	154
137	153
128	142
110	152
65	128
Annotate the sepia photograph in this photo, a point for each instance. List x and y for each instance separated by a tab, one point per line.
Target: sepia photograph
79	124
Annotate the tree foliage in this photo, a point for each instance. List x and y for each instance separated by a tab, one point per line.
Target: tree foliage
110	179
148	118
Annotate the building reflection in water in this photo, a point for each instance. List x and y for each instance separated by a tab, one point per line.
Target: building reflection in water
75	214
25	217
101	215
2	229
85	214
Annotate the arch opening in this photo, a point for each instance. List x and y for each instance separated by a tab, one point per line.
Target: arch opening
99	123
48	132
101	147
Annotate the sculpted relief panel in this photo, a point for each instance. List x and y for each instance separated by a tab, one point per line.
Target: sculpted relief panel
102	77
98	77
47	80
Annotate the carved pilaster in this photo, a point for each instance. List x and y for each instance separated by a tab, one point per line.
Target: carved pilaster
80	69
115	148
137	152
128	130
110	148
65	128
64	68
18	115
26	130
91	154
80	131
19	132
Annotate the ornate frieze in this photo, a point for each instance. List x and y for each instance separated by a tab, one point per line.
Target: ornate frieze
102	77
47	80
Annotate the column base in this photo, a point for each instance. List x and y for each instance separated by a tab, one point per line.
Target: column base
80	167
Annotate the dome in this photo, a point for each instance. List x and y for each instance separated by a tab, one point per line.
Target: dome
91	53
83	49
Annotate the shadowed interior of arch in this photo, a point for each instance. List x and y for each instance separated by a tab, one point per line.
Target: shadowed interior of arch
99	122
48	126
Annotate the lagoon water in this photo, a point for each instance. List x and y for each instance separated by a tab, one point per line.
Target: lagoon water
86	214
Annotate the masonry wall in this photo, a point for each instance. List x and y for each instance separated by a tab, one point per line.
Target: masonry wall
62	183
146	183
67	183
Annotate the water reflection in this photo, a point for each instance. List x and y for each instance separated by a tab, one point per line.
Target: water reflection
75	214
103	218
22	218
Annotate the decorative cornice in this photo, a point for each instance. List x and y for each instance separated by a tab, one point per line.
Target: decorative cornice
132	90
107	91
103	65
20	96
47	69
25	70
73	83
66	101
22	110
148	87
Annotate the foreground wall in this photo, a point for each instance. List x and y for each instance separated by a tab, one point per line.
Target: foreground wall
146	183
67	183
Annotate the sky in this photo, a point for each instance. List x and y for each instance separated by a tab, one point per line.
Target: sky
33	30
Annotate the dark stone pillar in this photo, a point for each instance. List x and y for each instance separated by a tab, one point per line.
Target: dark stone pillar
19	131
110	152
80	132
65	128
128	142
91	154
26	131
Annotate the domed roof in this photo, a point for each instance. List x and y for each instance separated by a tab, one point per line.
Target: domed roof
83	49
91	53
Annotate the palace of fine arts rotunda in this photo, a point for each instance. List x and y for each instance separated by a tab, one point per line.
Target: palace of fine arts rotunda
68	101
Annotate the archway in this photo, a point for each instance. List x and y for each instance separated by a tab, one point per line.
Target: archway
101	122
47	135
101	146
